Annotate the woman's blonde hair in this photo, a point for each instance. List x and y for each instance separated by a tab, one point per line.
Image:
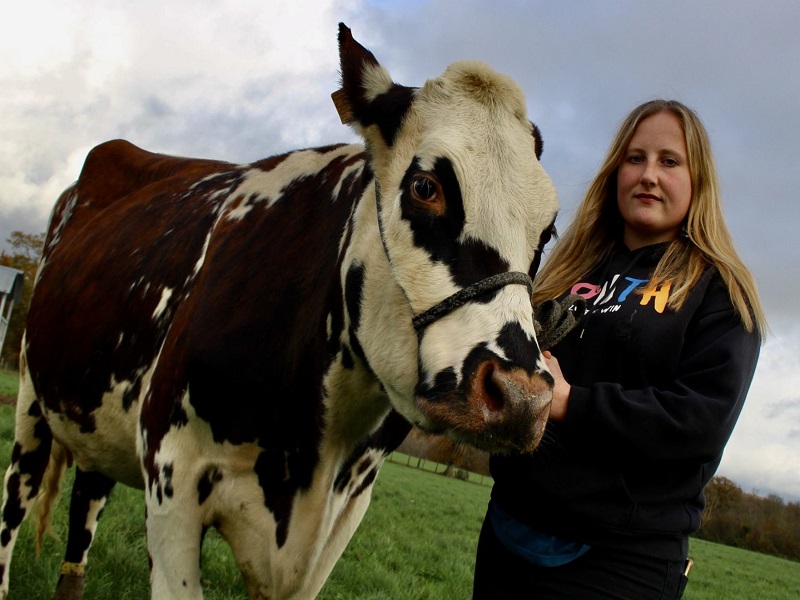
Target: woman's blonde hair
597	227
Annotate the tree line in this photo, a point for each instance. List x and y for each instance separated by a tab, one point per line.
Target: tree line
24	255
764	524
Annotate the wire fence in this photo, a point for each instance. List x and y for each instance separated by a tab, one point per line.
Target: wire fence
440	469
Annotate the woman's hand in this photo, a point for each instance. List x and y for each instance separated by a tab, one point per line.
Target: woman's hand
561	389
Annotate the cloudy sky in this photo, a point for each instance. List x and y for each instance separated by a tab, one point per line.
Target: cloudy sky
240	80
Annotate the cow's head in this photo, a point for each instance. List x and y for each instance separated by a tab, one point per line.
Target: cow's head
464	208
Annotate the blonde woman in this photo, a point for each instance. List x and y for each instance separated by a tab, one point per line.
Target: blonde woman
648	386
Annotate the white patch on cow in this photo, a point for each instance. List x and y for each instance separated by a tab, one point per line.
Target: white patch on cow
376	81
353	170
92	517
206	179
111	448
120	388
266	187
166	294
202	258
239	212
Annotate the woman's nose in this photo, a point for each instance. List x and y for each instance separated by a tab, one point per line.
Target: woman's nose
649	174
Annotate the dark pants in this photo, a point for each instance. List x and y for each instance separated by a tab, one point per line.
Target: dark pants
600	573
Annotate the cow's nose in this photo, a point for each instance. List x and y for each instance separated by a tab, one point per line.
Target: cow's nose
496	387
514	403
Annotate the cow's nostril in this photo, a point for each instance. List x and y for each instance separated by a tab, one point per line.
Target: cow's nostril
492	393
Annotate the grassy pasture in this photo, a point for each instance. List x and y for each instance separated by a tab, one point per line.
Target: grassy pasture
416	542
8	383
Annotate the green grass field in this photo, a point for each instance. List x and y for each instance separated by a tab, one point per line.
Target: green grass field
8	383
416	542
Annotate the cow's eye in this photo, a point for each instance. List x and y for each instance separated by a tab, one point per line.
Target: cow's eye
425	189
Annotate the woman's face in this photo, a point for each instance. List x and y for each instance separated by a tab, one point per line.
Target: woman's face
654	185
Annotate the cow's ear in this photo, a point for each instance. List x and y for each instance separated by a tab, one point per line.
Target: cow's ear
539	144
363	79
368	95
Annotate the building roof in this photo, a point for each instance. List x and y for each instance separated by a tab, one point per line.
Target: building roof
11	283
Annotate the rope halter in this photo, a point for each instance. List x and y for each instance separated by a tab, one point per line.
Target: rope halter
461	297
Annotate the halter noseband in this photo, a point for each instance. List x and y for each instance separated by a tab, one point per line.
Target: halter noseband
461	297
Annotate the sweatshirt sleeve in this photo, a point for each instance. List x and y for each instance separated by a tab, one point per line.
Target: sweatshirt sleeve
691	418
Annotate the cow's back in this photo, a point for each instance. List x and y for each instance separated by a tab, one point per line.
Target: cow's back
244	255
122	244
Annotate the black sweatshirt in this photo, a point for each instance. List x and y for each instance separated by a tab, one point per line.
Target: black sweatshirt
655	396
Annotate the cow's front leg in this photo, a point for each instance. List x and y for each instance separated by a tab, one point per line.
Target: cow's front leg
174	534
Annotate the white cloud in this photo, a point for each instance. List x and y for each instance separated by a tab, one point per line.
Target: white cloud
764	451
233	80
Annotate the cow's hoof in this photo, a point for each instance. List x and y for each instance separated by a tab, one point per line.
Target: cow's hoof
70	587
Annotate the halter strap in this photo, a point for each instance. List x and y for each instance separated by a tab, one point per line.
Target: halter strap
461	297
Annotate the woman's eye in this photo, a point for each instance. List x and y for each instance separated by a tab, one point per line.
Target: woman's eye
424	189
636	159
670	162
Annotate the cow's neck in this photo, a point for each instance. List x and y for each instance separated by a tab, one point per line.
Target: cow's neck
358	397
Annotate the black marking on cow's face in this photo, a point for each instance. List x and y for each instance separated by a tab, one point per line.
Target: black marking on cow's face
435	225
444	383
437	228
519	349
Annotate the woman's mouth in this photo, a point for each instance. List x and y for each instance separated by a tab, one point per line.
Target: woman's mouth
647	197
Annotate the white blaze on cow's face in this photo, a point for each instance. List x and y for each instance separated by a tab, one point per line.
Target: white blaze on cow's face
461	197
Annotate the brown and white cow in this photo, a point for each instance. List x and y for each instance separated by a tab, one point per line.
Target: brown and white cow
248	342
